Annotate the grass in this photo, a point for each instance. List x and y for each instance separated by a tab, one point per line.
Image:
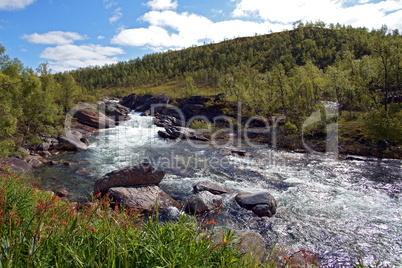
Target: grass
38	229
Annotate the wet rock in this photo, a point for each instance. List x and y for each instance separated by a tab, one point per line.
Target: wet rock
54	163
146	113
82	171
72	142
130	101
62	193
143	174
146	198
202	202
355	158
212	187
261	203
145	102
300	151
238	152
182	133
148	101
45	154
90	116
162	120
115	111
68	163
35	161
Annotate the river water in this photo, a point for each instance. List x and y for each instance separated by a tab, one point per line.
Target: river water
343	210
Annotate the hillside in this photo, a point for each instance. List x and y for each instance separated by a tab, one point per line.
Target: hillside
289	73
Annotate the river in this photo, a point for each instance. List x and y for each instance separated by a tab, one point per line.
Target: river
343	210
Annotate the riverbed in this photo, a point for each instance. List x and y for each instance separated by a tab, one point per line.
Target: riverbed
344	210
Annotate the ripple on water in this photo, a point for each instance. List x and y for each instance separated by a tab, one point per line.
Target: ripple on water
343	210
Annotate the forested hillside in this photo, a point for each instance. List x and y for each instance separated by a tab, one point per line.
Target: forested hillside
289	73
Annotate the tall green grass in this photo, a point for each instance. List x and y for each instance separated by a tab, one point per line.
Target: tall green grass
38	229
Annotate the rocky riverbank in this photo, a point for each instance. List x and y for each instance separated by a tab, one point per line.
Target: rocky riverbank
227	122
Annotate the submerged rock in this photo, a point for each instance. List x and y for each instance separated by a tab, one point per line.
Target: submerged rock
148	198
261	203
142	174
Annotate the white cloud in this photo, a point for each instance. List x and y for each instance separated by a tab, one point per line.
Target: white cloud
100	37
169	29
53	38
67	57
116	15
14	4
162	4
108	3
358	14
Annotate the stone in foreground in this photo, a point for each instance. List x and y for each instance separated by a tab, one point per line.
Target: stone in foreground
261	203
142	174
202	202
212	187
147	198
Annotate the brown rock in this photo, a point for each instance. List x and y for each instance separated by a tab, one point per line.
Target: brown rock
90	116
212	187
62	193
143	174
202	202
261	203
146	198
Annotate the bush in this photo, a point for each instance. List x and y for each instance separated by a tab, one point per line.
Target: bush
382	126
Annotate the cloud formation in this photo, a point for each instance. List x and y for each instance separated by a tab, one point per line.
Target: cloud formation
67	57
162	4
116	15
169	29
14	4
360	13
53	38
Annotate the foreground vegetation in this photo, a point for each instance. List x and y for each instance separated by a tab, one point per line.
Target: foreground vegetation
290	73
38	229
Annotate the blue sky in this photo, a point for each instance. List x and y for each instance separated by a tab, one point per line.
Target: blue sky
79	33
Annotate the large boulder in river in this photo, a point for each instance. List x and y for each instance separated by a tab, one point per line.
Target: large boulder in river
261	203
89	115
130	101
146	197
142	174
210	186
115	111
174	132
202	202
146	102
73	141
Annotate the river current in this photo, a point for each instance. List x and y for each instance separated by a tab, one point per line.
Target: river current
344	210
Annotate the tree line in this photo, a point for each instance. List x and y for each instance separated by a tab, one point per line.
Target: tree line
291	73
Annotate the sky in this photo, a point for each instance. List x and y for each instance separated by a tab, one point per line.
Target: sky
71	34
